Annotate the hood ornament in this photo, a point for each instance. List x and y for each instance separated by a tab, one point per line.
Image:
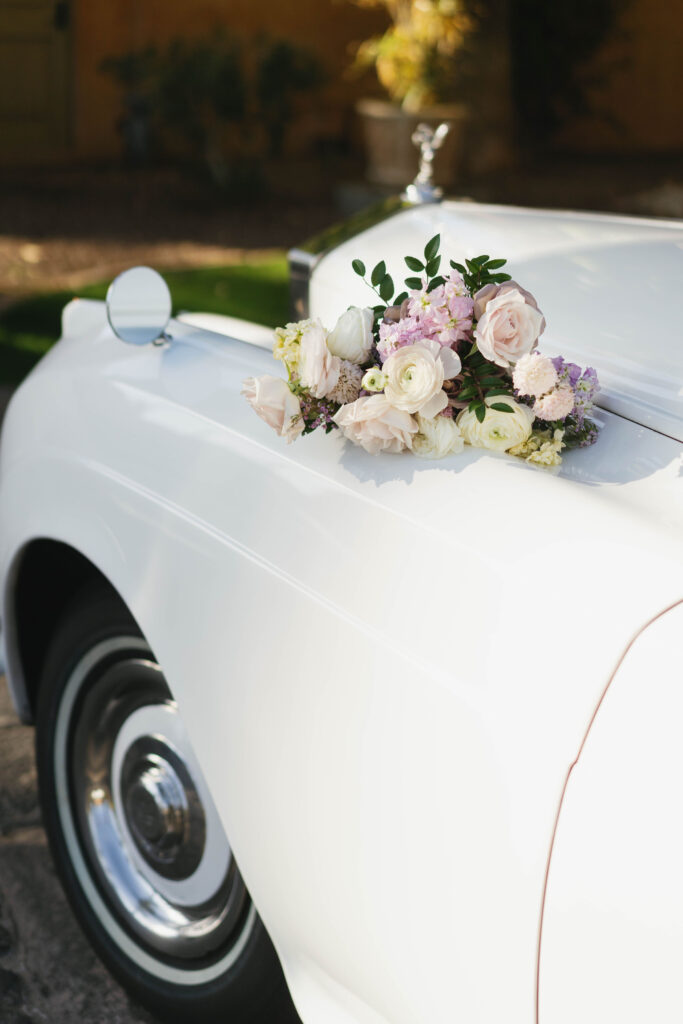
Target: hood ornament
430	140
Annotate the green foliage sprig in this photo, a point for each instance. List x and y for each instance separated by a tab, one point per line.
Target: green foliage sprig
479	379
477	272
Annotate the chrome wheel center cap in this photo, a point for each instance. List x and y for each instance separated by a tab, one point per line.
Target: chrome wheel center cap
162	808
156	805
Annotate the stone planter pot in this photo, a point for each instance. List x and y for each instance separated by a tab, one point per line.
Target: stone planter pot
392	157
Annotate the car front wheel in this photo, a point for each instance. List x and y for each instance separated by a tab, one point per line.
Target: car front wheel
134	832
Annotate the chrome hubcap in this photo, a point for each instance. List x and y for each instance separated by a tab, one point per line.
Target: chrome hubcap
147	823
162	808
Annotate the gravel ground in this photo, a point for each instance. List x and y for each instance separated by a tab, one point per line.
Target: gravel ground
48	971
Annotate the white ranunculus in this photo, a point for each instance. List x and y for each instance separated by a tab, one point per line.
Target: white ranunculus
499	430
415	376
318	368
352	336
437	437
271	399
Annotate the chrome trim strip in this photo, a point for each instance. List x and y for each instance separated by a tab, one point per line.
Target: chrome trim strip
303	259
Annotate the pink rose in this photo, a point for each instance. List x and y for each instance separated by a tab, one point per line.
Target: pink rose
509	327
318	368
492	291
271	399
375	425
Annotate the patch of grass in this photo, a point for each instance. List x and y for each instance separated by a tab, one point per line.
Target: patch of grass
252	291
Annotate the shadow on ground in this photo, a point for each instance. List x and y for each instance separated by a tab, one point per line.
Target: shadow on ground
48	972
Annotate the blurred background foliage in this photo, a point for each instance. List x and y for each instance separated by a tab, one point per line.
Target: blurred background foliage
224	99
195	137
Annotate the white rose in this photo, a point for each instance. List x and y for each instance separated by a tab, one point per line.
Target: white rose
271	399
437	437
375	425
352	336
499	430
415	376
318	368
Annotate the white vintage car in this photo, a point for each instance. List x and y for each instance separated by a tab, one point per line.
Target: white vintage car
382	740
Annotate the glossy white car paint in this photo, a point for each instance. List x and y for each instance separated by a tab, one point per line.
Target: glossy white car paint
609	287
386	666
612	938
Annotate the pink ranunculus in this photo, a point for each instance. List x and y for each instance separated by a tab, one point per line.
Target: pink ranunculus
509	328
318	368
492	291
375	425
271	399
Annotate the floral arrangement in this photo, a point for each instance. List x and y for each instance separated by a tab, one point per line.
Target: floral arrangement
415	58
451	361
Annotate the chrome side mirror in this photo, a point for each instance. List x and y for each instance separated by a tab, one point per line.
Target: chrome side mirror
139	306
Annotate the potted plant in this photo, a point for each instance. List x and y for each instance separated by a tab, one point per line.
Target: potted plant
416	62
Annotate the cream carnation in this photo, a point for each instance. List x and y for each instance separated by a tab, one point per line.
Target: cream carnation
271	399
375	425
534	374
349	383
499	430
287	342
437	437
318	368
352	336
509	328
555	406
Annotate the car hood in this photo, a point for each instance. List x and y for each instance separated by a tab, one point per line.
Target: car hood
608	286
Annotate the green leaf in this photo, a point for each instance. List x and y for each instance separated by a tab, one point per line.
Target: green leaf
501	407
435	283
474	350
458	266
479	261
489	382
466	394
472	267
480	412
433	266
414	264
492	392
499	278
400	298
379	309
386	288
414	283
495	264
378	273
432	247
359	267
